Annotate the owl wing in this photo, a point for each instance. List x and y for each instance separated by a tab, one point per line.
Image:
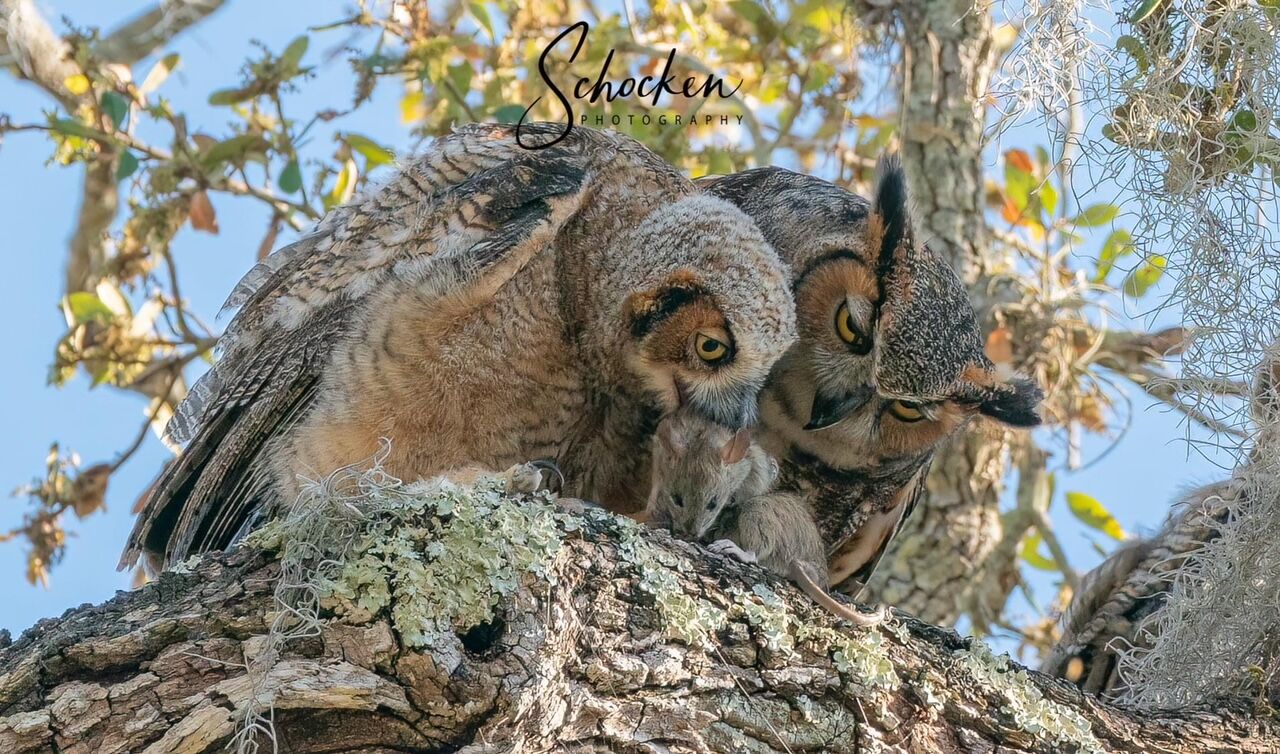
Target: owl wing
479	202
869	544
1107	612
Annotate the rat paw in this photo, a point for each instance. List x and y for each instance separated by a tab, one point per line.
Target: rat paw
728	548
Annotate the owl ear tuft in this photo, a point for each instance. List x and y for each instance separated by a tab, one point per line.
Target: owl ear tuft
643	310
891	209
1014	402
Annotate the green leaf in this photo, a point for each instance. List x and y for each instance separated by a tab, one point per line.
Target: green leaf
1042	157
1144	9
230	96
819	75
481	16
1147	274
1093	514
1049	197
413	107
508	114
116	108
127	166
291	177
1098	214
232	150
292	55
1031	554
1245	120
757	16
83	306
159	73
1018	184
68	127
1118	244
1132	45
460	76
373	152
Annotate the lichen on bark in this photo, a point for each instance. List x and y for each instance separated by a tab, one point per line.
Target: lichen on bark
591	634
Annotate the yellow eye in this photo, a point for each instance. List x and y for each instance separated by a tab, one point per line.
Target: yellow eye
710	349
906	411
849	332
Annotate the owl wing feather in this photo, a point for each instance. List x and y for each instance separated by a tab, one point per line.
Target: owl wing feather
476	199
1106	614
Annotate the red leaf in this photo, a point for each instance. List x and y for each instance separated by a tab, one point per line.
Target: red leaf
1020	160
202	215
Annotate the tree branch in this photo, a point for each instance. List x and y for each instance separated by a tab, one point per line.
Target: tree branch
132	41
586	664
30	47
151	30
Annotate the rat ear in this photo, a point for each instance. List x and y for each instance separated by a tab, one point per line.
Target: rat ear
1013	402
671	435
736	448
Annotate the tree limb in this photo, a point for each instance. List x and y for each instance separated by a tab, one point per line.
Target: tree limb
586	664
151	30
30	47
132	41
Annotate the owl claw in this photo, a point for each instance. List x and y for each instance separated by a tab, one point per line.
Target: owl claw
552	476
532	477
729	549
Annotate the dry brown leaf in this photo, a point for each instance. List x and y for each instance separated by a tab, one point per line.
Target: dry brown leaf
202	215
1000	346
89	493
1090	415
269	240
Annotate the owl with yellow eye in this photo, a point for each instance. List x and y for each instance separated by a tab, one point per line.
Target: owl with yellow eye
888	364
489	305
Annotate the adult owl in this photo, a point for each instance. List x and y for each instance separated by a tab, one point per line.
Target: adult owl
489	305
1118	605
1110	610
888	364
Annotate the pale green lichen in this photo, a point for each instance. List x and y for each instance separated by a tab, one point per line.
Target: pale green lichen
929	694
445	558
685	619
860	655
1026	704
764	609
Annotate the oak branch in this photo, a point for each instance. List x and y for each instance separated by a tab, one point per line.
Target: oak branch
452	619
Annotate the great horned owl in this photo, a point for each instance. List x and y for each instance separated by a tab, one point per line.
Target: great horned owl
1116	606
888	364
489	305
1114	599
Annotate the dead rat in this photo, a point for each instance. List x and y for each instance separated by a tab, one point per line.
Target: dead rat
711	484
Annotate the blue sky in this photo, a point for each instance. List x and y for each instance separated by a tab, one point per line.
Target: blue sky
1136	480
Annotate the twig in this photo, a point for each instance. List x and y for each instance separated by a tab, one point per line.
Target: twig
152	29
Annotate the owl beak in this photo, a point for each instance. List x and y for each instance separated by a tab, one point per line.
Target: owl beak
828	410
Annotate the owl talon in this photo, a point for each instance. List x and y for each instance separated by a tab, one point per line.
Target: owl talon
532	477
729	549
552	476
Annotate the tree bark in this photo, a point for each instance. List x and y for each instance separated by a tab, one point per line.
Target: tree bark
937	563
586	663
